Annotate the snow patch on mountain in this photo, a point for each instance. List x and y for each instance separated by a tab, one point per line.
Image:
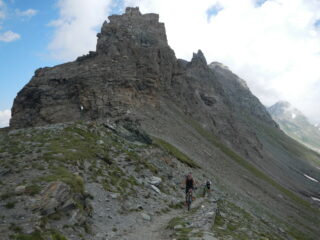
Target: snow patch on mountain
310	178
315	199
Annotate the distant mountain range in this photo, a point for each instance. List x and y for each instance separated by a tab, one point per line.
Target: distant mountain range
295	124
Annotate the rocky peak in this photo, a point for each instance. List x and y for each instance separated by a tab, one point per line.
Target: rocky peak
282	104
131	29
283	109
198	59
133	67
214	65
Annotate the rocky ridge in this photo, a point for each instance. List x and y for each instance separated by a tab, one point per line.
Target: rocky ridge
130	111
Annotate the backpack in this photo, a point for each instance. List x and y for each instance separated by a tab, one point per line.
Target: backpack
208	184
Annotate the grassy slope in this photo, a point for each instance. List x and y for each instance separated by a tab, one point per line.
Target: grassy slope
247	165
288	144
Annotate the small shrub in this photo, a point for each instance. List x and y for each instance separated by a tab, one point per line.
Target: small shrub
174	222
32	236
32	190
57	236
15	228
63	174
10	205
6	196
178	205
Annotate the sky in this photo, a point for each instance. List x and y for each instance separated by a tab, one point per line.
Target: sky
274	45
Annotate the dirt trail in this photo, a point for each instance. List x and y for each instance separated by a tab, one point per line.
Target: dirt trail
156	229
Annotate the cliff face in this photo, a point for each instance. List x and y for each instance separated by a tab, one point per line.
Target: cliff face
133	66
132	63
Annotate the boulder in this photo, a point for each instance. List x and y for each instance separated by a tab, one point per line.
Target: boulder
20	189
157	190
155	181
145	217
114	195
56	196
100	142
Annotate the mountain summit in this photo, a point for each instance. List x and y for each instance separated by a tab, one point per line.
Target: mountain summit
294	123
132	65
284	109
125	123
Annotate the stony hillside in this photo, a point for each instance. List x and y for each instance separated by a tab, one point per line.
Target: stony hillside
112	181
295	124
98	147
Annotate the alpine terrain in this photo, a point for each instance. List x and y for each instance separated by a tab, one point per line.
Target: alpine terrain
98	148
295	124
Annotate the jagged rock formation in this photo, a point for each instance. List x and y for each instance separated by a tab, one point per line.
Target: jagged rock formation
133	62
201	112
133	66
294	123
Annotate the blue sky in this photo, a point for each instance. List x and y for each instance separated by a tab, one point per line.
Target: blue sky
20	58
274	45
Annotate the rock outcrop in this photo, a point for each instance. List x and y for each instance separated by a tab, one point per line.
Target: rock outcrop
132	65
133	62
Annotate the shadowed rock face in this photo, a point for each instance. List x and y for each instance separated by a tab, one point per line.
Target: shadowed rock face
134	73
132	65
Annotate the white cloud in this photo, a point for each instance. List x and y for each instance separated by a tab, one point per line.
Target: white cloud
27	13
274	45
9	36
76	27
5	116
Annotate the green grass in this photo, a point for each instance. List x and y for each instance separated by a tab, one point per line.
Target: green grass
298	235
32	189
57	236
181	233
74	144
132	156
174	222
117	181
10	205
290	145
175	152
235	219
37	235
32	236
178	205
62	174
15	228
6	195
